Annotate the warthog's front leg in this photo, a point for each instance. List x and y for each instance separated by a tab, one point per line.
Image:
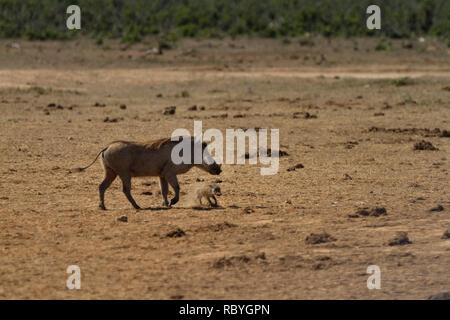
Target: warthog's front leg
173	181
126	188
212	204
164	186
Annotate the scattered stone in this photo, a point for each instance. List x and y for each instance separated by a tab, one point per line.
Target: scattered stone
202	108
228	262
297	166
123	106
347	177
316	238
169	110
446	234
425	145
100	105
159	95
176	233
112	120
439	208
374	212
261	256
440	296
400	239
218	181
281	153
378	114
123	219
351	144
248	210
445	134
303	115
51	105
147	193
223	116
193	108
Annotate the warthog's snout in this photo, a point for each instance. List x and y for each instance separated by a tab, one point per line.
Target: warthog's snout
215	169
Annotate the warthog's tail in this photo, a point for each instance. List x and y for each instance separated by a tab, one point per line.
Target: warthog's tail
82	169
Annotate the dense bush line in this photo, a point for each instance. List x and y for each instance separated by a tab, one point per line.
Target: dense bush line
133	19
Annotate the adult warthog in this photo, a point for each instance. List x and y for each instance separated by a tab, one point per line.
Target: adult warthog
152	159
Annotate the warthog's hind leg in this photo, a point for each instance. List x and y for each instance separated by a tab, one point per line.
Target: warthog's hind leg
164	186
110	175
173	181
199	200
126	188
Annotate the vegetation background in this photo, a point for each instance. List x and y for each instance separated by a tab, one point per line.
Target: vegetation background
131	20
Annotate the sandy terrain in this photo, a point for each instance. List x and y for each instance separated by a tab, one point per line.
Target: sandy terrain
342	113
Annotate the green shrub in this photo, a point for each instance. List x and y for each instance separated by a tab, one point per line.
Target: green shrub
402	81
131	38
382	47
133	19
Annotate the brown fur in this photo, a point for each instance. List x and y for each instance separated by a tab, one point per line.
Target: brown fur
133	159
157	144
209	192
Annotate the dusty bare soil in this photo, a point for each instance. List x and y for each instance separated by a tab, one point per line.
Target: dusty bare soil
308	233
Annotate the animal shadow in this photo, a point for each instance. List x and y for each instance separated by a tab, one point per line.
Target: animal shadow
200	208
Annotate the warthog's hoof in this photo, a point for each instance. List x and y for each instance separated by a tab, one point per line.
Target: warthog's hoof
102	206
165	204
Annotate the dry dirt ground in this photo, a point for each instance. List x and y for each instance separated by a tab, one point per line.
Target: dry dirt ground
356	147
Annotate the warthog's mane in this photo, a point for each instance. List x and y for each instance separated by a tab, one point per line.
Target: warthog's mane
159	143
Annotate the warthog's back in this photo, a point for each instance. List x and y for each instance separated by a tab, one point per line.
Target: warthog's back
138	159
